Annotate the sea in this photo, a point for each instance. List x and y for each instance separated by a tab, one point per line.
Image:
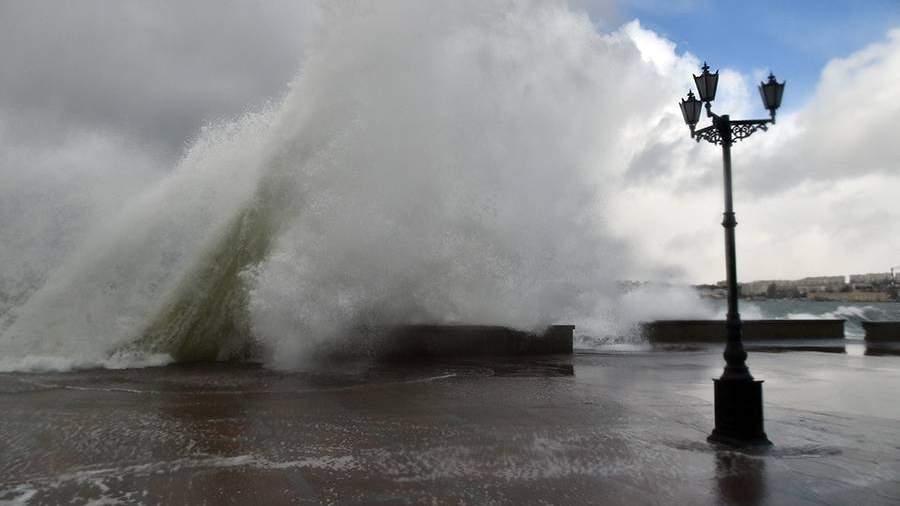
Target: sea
853	312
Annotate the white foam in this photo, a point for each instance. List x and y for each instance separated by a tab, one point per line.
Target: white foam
52	363
434	162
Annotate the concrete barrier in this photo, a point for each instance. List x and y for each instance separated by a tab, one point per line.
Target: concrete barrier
405	342
713	331
882	331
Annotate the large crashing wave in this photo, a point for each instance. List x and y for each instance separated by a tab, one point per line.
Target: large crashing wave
433	162
106	297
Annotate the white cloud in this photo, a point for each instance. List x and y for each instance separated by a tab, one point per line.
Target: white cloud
154	70
814	195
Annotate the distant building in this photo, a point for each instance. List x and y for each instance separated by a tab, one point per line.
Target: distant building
821	284
871	286
782	288
870	280
762	288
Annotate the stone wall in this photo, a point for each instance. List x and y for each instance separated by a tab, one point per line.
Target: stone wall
708	331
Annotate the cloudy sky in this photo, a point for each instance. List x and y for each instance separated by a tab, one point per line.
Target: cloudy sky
818	193
99	98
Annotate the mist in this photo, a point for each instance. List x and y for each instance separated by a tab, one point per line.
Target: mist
445	163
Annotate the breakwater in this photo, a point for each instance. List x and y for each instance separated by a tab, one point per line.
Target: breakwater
402	342
882	331
707	331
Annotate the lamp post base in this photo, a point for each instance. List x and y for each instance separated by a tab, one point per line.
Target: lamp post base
739	413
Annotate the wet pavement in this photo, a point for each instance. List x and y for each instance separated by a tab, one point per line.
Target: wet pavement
616	427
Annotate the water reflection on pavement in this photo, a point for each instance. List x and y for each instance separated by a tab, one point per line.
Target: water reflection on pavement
611	427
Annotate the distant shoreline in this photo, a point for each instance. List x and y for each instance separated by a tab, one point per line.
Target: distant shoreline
871	287
852	296
812	296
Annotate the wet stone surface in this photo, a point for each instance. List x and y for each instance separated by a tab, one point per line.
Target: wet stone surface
611	428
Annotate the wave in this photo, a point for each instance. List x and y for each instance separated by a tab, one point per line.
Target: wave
854	315
431	163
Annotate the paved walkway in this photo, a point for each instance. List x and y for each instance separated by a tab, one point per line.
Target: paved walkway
619	428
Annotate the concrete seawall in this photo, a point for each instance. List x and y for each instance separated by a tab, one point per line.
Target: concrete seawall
434	341
707	331
882	331
404	342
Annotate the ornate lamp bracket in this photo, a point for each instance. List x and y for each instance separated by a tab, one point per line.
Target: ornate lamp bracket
739	129
709	134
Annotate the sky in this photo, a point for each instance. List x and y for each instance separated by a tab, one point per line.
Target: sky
88	88
795	38
824	204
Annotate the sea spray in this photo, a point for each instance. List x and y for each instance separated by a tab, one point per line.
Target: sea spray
433	162
102	297
458	184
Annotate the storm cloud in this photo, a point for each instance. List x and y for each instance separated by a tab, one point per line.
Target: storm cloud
153	70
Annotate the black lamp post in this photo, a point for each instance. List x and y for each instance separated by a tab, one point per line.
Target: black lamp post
738	397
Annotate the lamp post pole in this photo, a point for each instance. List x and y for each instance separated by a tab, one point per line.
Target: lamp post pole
735	356
738	397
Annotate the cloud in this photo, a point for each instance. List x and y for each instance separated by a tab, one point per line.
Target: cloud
816	194
155	70
848	128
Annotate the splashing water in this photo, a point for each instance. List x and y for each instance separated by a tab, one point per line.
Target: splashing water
432	162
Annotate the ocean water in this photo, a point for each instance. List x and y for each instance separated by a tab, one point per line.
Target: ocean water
853	312
693	308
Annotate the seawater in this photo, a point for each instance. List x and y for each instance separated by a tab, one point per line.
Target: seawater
853	312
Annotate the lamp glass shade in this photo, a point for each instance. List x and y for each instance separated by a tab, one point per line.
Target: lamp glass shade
771	92
706	84
690	109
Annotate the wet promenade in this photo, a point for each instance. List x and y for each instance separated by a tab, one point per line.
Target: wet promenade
619	427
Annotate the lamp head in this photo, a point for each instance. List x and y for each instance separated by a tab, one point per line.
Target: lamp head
707	84
771	92
690	109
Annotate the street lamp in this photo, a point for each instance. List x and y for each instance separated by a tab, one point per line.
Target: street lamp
738	397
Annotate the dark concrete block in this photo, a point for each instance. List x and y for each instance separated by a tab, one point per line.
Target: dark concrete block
713	331
882	331
404	342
